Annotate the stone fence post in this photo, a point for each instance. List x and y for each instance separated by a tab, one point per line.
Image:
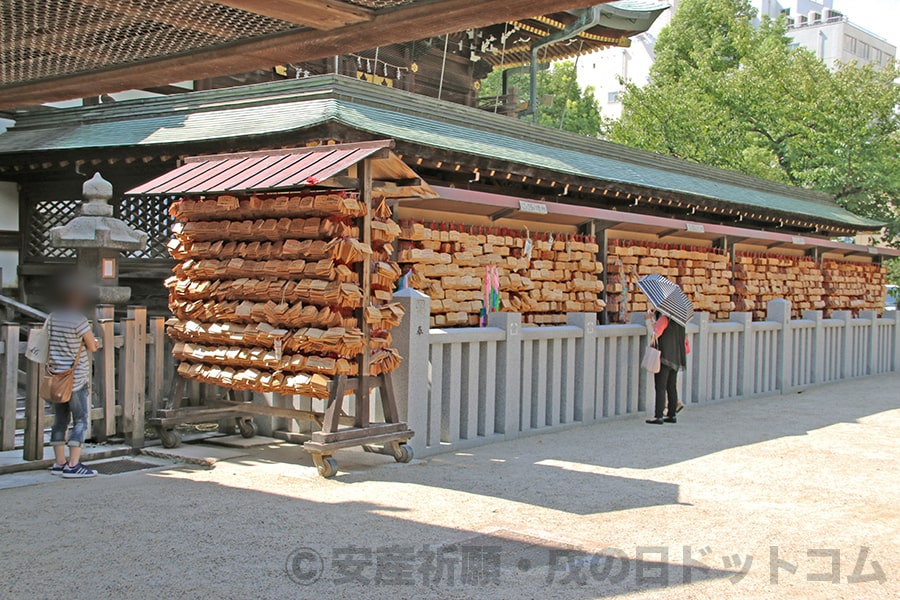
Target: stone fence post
818	345
747	360
846	342
411	379
509	372
702	358
896	341
872	349
779	311
585	366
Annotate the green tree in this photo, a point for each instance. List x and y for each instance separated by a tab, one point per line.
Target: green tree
567	103
726	94
893	271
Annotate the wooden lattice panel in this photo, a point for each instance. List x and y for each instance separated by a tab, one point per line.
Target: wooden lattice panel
42	217
149	214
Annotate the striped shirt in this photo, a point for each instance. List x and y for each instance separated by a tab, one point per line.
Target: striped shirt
66	329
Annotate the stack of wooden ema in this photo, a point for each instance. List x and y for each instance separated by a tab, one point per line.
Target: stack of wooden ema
449	263
759	278
268	293
703	274
854	286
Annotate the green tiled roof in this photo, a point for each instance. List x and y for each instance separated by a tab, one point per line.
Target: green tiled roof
296	105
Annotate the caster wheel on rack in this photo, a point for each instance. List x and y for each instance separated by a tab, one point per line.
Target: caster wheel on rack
404	453
170	438
327	466
247	428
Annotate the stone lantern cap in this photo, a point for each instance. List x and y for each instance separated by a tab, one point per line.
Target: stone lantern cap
95	226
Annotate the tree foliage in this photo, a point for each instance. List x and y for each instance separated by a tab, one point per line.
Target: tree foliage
575	108
730	95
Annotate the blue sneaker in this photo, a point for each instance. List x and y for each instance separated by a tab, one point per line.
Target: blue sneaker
77	472
57	469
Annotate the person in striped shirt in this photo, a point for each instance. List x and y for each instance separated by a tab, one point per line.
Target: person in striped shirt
70	337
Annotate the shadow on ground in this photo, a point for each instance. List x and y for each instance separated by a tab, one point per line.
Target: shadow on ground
162	533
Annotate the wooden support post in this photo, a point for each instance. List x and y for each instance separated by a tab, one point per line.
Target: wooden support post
125	368
335	403
156	353
139	364
602	236
388	400
105	376
9	375
34	415
105	311
362	390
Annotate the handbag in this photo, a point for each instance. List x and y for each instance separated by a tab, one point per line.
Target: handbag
57	387
652	359
38	347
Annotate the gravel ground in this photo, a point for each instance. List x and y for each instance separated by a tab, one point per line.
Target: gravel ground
612	510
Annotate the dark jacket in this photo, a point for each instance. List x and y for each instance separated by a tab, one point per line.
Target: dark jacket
672	347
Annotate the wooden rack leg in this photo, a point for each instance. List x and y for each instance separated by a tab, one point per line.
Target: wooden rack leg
176	396
388	401
363	404
335	402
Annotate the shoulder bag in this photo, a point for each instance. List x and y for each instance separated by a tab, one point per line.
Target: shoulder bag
57	387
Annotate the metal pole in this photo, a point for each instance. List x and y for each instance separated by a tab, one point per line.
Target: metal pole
443	66
562	120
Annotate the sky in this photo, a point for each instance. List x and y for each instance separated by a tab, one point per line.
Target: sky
881	17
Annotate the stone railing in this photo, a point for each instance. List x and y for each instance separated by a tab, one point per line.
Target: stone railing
463	387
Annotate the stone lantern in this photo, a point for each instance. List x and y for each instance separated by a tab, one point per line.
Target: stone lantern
99	239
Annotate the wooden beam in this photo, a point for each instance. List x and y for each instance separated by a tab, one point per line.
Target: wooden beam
167	90
667	232
420	20
318	14
501	214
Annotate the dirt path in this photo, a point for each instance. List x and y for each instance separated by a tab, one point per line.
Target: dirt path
614	507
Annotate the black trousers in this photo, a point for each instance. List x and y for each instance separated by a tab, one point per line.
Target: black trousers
666	385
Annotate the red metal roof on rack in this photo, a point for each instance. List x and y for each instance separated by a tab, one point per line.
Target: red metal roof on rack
268	170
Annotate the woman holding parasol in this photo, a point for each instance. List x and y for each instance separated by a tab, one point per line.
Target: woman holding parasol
667	330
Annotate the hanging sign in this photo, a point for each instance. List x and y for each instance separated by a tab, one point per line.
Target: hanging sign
797	240
532	207
695	228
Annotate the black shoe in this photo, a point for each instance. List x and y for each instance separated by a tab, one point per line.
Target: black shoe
670	420
655	421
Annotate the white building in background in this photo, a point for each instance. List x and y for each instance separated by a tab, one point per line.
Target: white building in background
829	33
602	69
814	25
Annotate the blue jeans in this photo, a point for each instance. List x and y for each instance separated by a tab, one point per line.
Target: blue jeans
77	408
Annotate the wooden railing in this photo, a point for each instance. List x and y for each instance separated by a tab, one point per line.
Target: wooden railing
131	370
